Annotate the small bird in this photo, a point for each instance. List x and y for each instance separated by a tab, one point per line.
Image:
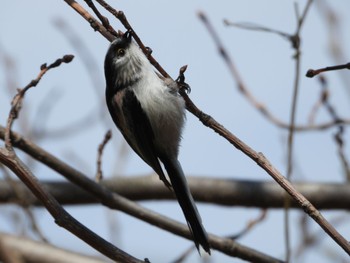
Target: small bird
150	114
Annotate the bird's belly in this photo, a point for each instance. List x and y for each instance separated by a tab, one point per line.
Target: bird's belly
166	112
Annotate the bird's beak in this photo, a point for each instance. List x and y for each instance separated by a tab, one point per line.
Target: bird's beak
127	36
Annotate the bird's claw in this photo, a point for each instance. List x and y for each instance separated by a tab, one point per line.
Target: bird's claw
183	86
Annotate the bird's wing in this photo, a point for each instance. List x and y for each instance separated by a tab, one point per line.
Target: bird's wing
136	128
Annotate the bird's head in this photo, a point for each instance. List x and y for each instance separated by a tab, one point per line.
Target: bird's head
124	62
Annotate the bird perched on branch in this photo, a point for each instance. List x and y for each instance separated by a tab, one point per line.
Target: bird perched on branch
150	114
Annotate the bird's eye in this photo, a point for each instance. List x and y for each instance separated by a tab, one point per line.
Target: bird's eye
121	52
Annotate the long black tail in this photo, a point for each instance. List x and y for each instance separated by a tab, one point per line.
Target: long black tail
185	199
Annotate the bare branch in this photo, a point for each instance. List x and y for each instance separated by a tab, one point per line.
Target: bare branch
242	193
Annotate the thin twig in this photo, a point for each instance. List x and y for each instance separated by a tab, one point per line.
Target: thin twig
106	139
256	27
17	100
339	135
310	238
251	223
296	39
313	72
103	19
322	98
335	37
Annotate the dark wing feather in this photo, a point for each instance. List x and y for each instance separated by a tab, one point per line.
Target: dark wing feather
135	126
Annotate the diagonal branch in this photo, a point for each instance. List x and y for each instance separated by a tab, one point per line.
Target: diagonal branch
260	160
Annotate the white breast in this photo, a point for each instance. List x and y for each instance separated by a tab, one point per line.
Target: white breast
165	110
164	107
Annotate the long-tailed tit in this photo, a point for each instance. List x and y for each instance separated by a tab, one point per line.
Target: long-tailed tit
150	114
